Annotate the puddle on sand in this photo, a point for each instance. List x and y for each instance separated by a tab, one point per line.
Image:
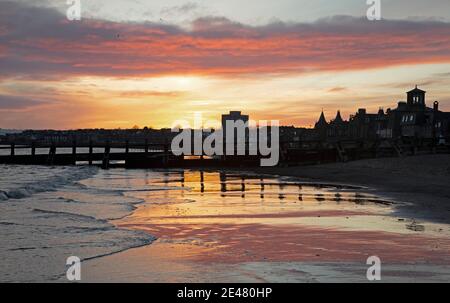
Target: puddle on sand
247	218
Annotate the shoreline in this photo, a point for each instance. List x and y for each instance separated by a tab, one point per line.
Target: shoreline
183	252
162	262
421	181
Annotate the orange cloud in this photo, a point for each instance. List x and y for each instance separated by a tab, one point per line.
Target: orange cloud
50	45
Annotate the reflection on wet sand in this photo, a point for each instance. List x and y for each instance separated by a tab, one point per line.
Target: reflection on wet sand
230	184
239	218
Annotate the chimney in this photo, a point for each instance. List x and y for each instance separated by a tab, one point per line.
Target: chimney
436	106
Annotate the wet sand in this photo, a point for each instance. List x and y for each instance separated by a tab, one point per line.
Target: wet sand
174	263
234	228
422	180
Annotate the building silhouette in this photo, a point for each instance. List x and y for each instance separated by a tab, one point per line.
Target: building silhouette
411	119
234	116
232	140
412	122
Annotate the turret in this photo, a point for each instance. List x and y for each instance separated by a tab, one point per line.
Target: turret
436	106
416	97
338	118
322	121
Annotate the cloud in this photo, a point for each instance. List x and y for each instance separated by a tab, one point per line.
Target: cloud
8	102
39	42
180	9
337	89
152	94
443	75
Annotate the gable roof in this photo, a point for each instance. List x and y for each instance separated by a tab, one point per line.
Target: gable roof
322	121
416	90
338	118
322	118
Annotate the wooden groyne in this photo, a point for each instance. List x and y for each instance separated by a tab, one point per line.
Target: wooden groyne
117	154
102	154
159	155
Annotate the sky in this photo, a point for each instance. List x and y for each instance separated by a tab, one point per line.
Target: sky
151	63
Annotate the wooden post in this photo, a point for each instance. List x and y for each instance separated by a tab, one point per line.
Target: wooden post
108	150
74	151
146	146
166	153
90	152
202	155
74	147
33	149
105	164
52	154
127	151
13	147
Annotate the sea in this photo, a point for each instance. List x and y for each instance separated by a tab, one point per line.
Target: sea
50	213
47	215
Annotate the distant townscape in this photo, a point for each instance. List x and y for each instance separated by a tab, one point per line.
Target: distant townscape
411	119
412	127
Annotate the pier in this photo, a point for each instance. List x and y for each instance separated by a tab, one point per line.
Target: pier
112	154
146	154
103	154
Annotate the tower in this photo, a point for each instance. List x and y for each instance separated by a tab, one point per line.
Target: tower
321	127
416	97
322	123
338	119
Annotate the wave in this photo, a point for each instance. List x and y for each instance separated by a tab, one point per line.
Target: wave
149	239
50	213
59	178
71	217
156	188
3	196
